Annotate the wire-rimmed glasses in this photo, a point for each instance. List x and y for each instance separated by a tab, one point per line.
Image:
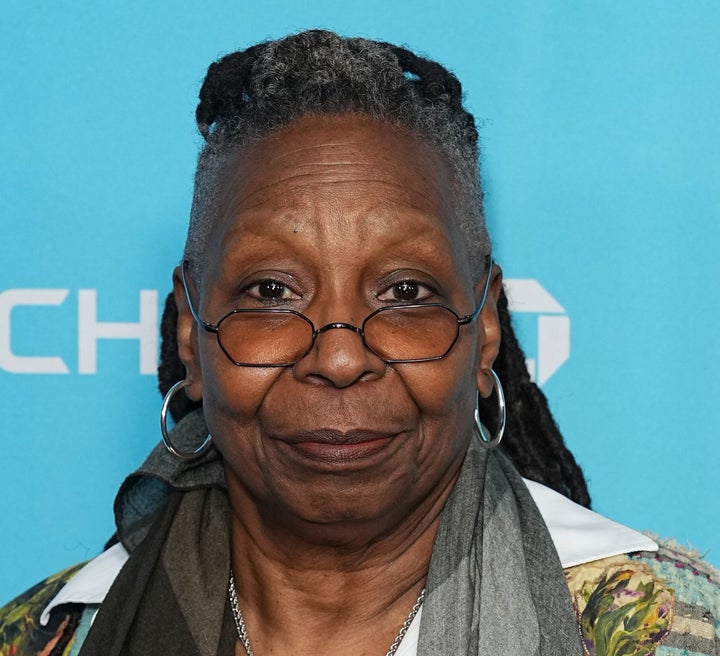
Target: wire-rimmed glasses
276	337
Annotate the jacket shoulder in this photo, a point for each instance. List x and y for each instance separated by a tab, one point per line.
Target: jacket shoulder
665	603
21	633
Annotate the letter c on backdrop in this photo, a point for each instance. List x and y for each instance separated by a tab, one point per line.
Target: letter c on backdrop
27	364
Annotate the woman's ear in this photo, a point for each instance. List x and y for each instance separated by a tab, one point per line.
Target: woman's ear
489	332
187	338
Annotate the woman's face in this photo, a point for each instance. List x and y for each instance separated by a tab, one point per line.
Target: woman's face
336	217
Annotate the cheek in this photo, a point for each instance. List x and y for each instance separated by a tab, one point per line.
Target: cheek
232	397
444	392
439	395
446	388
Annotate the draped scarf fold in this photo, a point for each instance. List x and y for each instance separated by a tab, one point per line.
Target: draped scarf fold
495	584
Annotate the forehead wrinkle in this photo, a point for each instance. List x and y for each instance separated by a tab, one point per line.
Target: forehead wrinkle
359	200
326	157
345	150
244	189
297	222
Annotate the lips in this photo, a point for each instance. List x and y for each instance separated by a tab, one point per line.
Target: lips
338	447
330	436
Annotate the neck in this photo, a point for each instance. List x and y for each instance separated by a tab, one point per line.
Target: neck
333	589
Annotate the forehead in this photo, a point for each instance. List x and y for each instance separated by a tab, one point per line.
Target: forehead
344	173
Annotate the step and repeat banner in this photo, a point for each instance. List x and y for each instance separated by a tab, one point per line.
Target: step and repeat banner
601	161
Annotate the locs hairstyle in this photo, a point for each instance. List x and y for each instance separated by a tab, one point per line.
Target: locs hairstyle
250	94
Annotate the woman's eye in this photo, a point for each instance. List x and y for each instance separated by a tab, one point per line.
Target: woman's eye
407	290
270	290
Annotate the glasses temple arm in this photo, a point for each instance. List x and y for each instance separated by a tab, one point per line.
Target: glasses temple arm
203	324
469	318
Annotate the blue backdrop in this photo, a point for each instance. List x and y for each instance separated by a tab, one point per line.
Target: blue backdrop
601	164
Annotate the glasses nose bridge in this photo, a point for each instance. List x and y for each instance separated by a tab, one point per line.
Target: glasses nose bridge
338	325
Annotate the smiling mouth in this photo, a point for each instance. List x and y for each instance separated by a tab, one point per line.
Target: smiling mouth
338	447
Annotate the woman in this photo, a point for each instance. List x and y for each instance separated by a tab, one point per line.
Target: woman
329	349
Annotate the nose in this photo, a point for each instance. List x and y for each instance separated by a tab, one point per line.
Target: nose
339	357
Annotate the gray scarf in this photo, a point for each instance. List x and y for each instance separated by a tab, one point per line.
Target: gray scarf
495	584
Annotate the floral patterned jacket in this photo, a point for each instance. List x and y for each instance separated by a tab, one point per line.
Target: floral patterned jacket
665	603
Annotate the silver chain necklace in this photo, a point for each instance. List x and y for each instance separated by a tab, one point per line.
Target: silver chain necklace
242	629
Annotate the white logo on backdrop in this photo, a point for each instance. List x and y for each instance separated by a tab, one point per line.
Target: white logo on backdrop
89	331
553	325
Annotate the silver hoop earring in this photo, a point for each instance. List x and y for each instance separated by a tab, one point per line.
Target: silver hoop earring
491	441
164	430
